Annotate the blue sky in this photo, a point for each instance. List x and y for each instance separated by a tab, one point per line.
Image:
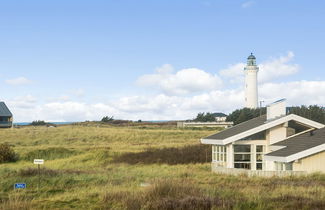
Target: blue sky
63	56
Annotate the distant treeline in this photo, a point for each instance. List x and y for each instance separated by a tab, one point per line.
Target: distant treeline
314	112
40	123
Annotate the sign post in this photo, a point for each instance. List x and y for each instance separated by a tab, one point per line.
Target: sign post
39	162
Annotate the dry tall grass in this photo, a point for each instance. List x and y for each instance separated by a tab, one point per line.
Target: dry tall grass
109	167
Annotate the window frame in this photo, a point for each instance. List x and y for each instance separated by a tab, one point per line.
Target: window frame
219	153
249	163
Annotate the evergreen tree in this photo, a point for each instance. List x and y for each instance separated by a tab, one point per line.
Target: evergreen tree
244	114
312	112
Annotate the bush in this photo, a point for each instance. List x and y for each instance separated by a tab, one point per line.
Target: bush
107	119
7	154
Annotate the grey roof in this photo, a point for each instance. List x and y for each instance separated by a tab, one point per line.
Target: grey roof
237	129
300	143
4	111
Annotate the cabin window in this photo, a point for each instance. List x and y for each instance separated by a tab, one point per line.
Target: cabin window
283	166
259	157
4	119
219	153
242	156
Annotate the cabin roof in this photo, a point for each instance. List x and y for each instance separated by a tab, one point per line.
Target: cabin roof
254	126
4	111
299	143
237	129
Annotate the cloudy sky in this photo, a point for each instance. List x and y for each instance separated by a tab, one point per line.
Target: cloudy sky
76	60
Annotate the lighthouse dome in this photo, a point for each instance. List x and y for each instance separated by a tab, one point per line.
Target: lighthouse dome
251	56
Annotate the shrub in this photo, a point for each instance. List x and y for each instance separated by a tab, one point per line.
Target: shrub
7	154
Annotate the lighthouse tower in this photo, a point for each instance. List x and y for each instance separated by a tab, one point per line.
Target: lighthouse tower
251	69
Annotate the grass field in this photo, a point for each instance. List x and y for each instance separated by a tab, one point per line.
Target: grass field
96	167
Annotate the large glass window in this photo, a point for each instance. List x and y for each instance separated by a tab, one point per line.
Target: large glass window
219	153
242	148
259	157
242	156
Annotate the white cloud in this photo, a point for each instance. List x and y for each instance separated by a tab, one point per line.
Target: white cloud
18	81
74	111
59	98
78	92
185	81
235	73
23	102
277	68
268	70
297	92
166	107
247	4
59	111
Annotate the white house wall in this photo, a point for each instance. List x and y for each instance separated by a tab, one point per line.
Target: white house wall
314	163
277	134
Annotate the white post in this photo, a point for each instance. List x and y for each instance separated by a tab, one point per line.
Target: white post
230	156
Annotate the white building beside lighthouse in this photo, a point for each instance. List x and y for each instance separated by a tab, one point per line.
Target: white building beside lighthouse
251	70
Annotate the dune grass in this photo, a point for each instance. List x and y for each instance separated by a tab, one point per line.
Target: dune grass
105	167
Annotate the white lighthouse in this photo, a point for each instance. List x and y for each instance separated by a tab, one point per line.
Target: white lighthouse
251	69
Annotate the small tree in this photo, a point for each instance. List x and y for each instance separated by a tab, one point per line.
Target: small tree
107	119
7	154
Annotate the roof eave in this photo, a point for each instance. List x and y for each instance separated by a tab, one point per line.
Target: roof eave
213	141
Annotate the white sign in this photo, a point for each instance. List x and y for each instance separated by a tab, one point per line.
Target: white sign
38	161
